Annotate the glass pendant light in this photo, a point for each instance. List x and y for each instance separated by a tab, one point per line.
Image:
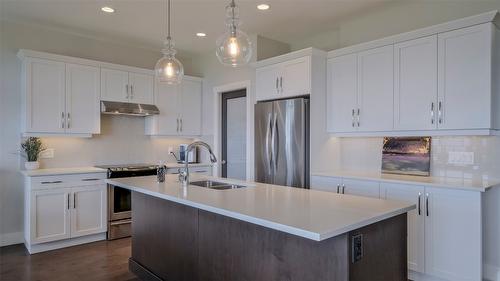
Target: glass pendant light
168	68
234	48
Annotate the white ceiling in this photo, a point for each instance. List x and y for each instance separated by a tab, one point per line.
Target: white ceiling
142	22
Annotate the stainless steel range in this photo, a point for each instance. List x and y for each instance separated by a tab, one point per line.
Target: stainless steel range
120	200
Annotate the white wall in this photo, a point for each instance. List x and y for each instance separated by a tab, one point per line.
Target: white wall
122	139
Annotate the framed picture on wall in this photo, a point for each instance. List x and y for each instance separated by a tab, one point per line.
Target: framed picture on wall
407	156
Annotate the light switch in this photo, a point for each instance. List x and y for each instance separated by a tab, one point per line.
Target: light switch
461	158
47	153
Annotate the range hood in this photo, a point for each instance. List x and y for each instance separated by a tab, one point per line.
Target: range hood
123	108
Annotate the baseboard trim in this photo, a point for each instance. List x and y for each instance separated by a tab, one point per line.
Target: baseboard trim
38	248
7	239
491	272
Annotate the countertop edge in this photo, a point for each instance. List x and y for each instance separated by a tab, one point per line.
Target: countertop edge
61	171
472	187
266	223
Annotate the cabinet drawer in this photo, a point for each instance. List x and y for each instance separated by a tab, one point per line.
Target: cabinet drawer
58	181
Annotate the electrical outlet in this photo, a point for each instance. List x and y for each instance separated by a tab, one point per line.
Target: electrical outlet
47	153
461	158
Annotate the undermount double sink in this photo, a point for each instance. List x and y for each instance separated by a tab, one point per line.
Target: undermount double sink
216	185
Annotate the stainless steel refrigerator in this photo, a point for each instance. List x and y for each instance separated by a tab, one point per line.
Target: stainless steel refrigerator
282	142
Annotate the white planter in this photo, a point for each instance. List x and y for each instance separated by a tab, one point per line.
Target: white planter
31	165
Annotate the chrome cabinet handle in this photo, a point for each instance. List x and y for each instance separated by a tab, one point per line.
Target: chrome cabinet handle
338	188
50	182
131	91
68	121
359	118
126	89
277	81
281	83
343	188
440	112
74	200
419	209
432	113
68	200
181	123
177	125
90	179
63	124
427	204
353	118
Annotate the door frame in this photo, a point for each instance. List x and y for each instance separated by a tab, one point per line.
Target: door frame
242	93
217	109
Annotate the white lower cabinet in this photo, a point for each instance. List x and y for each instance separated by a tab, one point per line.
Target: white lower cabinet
346	186
62	211
444	231
50	215
89	210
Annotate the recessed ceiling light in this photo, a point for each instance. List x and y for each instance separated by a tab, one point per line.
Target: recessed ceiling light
107	9
263	7
201	34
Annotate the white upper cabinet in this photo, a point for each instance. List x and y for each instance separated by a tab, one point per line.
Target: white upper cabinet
342	95
44	96
180	109
60	98
433	81
375	89
82	99
141	88
114	85
415	84
125	86
190	115
464	71
289	78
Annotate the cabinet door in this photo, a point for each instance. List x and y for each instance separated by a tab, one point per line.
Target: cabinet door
190	122
267	82
416	218
167	122
295	77
45	96
331	184
141	90
82	99
50	215
453	234
464	75
88	215
376	89
342	94
415	84
114	85
361	188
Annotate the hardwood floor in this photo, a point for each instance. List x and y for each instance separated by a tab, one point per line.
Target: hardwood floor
99	261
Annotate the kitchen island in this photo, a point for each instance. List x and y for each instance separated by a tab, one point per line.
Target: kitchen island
262	232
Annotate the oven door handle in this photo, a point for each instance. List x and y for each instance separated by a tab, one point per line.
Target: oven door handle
121	222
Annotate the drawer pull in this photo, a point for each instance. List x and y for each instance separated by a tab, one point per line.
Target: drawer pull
51	182
121	222
90	179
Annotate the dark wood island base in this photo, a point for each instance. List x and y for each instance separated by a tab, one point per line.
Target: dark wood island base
174	242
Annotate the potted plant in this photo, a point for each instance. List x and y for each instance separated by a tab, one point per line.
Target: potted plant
32	148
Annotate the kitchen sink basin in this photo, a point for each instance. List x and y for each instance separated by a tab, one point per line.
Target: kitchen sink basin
215	185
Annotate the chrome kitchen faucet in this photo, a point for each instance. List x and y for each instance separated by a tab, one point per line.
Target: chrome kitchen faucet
184	175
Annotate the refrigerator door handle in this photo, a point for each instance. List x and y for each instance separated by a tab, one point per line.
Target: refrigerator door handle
268	131
275	142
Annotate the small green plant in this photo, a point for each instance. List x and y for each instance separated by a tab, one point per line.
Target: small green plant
32	148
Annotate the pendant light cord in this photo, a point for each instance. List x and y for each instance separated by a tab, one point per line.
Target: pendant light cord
168	20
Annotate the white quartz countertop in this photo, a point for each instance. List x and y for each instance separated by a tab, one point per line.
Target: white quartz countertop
480	185
311	214
62	171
